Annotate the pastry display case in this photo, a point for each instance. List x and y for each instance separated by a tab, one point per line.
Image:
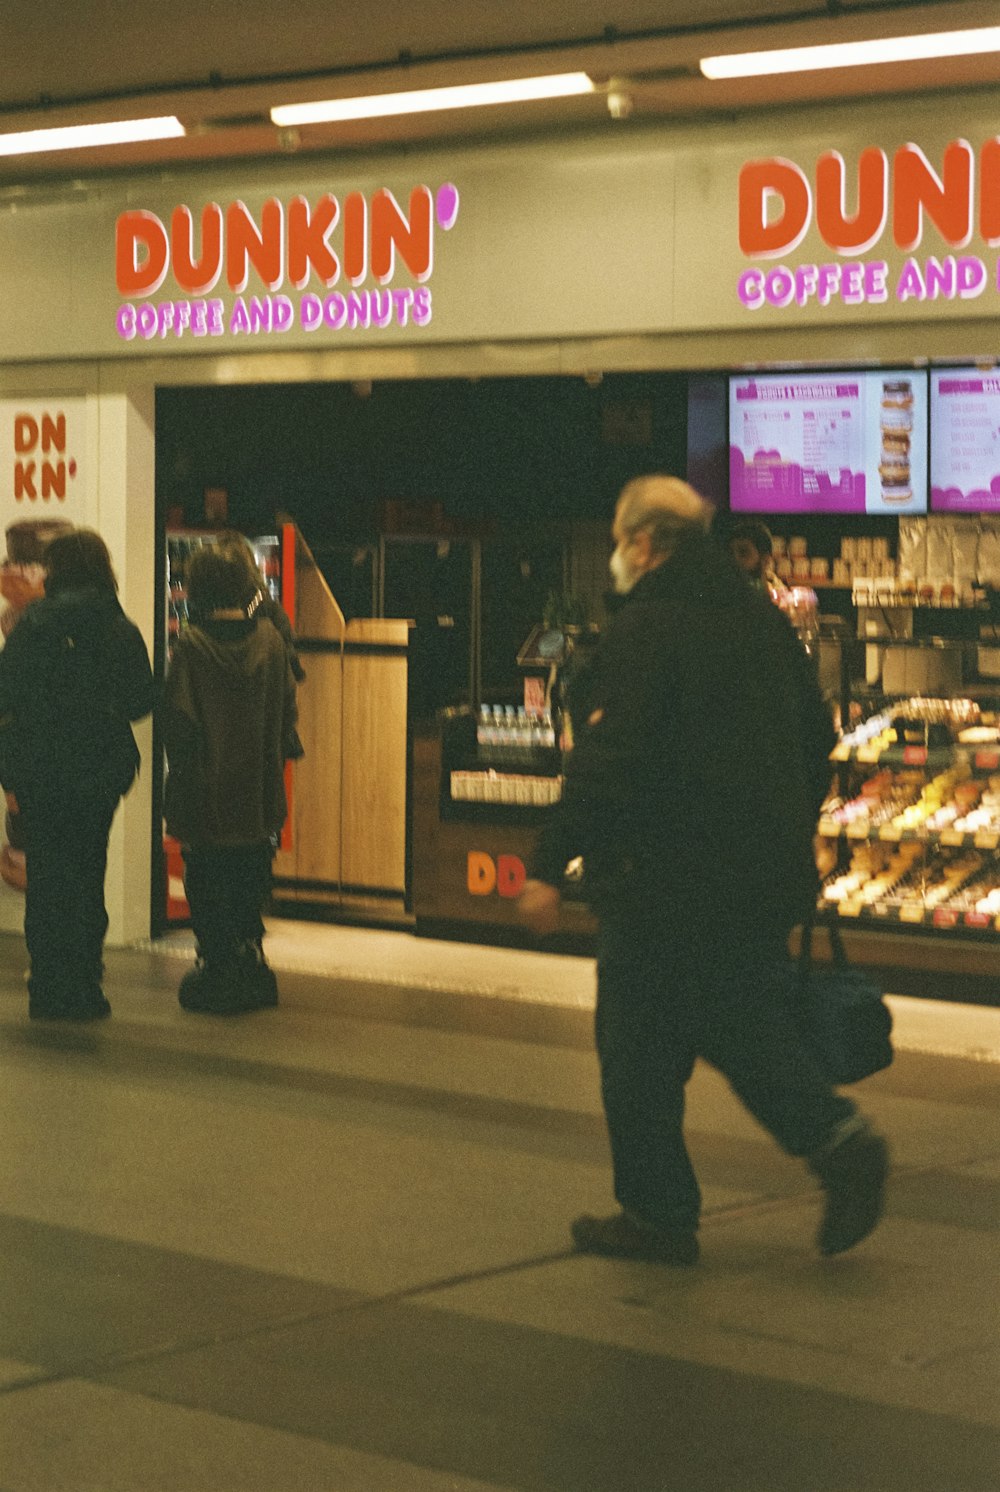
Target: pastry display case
910	835
908	842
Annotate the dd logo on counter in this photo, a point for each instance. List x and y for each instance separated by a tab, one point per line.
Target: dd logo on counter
505	875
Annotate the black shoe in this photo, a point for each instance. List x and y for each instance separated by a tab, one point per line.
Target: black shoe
256	979
234	987
852	1173
92	1008
205	991
625	1236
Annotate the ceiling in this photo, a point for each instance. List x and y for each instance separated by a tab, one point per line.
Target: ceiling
220	65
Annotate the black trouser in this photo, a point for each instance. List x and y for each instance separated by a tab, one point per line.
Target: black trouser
65	920
227	887
666	997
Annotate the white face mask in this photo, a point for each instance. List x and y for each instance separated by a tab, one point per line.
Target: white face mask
623	576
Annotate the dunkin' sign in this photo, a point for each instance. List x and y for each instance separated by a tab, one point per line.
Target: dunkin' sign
862	209
321	264
43	457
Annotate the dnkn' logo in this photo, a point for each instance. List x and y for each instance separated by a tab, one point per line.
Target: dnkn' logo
46	473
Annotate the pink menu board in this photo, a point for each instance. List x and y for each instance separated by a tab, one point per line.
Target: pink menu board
828	442
965	441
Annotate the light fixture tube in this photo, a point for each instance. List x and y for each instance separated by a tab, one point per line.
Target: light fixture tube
426	100
853	54
79	136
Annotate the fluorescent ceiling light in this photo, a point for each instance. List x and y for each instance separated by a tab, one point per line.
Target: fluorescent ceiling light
426	100
78	136
853	54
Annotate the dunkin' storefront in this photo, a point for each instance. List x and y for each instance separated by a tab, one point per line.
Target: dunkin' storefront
842	240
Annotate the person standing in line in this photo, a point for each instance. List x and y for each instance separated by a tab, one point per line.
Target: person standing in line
74	675
229	727
22	580
692	794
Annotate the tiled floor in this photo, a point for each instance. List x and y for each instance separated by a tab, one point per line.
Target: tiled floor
325	1247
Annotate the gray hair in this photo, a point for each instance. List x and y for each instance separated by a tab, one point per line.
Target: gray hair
665	508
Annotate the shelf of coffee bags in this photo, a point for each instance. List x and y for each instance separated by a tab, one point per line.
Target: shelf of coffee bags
980	839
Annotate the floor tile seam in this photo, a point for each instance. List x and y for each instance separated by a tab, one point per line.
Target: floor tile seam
96	1369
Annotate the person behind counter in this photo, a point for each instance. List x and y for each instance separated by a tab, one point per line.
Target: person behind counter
74	674
752	549
229	727
692	793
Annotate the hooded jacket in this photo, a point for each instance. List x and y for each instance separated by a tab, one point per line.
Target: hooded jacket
694	793
229	726
73	674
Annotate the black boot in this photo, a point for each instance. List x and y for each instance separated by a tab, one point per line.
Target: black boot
852	1169
197	987
209	988
258	985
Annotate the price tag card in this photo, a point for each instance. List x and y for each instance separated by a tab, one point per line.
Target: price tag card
841	752
987	761
868	754
943	917
951	837
986	839
858	830
914	756
911	911
891	833
977	919
852	907
828	829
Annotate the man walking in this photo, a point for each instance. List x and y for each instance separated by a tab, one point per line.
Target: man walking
692	794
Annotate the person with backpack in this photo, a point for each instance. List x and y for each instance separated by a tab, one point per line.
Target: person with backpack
74	675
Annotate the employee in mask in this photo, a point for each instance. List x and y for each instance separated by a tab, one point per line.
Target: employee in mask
751	547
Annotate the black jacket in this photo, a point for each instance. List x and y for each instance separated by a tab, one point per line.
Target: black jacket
229	727
696	794
73	674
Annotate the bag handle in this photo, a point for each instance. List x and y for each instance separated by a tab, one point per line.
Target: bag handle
837	949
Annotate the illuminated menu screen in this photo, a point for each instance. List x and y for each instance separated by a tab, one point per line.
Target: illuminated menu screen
828	443
965	441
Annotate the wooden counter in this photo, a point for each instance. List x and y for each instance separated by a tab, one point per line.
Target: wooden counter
347	840
469	860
